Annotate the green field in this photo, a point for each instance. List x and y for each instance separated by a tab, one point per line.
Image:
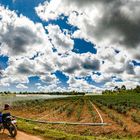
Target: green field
121	111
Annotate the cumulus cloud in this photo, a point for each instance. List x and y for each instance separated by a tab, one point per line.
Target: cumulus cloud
117	17
51	88
91	64
79	64
105	23
61	42
80	85
19	70
130	68
16	39
21	86
113	26
27	46
49	79
103	78
19	36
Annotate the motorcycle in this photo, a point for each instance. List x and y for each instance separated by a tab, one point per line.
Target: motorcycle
8	122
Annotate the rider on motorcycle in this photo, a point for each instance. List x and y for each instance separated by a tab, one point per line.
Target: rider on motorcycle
6	108
0	117
6	112
7	121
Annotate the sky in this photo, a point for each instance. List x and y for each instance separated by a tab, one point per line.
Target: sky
69	45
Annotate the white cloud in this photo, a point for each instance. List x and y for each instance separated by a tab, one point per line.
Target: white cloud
4	83
20	37
27	46
21	86
61	42
13	1
105	23
80	85
49	79
48	9
78	65
137	71
102	78
51	88
128	84
111	25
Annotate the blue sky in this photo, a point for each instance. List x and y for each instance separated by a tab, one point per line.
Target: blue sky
60	45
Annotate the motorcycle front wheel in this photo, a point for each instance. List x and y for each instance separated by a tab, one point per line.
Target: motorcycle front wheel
12	130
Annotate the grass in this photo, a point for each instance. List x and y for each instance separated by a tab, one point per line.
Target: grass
45	132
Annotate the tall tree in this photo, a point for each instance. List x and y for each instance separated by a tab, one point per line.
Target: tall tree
123	87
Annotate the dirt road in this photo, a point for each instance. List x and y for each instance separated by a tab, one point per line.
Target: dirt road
20	136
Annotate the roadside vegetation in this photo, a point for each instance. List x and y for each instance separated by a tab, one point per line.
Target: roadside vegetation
46	131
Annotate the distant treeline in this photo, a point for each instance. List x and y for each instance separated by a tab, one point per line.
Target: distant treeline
122	90
116	90
45	93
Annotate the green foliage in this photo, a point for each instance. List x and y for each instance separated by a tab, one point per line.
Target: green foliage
122	90
48	133
80	108
62	108
136	117
91	110
41	93
121	103
69	112
110	104
113	116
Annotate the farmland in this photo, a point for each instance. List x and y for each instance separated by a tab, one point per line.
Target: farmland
121	112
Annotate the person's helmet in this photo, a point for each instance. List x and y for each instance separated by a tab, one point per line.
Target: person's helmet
6	106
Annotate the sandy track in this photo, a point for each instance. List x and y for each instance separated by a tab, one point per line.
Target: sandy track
20	136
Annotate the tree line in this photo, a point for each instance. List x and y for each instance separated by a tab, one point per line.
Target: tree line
44	93
122	90
116	90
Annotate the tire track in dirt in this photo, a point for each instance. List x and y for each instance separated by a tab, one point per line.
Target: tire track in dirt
102	121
